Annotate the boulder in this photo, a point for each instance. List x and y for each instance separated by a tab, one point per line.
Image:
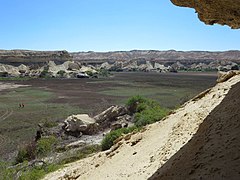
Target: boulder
106	117
80	123
82	75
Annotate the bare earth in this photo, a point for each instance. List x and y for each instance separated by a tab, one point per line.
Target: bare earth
142	154
4	86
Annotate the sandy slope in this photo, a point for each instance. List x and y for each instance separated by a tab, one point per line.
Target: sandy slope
214	151
144	153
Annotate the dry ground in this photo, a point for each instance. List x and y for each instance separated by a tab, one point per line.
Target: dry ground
142	154
55	99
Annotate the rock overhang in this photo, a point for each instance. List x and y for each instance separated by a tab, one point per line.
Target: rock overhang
223	12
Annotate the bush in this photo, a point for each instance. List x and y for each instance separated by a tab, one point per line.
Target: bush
45	73
149	116
103	73
109	139
49	124
147	111
61	73
38	172
80	154
89	73
135	103
135	99
26	153
45	145
6	172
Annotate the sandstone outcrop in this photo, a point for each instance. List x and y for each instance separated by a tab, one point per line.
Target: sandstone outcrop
109	116
17	57
80	124
224	76
224	12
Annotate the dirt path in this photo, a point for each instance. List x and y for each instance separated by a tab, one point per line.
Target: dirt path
140	156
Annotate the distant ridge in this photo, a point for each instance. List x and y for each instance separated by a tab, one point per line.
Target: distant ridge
158	56
187	57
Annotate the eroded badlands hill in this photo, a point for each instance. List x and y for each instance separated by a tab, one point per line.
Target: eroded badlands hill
140	155
17	57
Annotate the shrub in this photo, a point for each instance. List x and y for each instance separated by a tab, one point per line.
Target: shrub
89	73
147	111
45	73
45	145
26	153
6	172
149	116
49	124
103	73
61	73
38	172
134	102
109	139
135	99
80	154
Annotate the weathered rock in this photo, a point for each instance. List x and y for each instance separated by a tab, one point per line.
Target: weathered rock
9	70
76	144
85	69
74	66
80	123
23	68
124	118
224	76
224	12
106	66
106	117
160	67
82	75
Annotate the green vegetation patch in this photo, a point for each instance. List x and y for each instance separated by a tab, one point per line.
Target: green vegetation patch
26	171
80	154
109	139
147	111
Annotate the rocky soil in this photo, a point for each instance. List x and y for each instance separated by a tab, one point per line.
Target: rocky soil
139	156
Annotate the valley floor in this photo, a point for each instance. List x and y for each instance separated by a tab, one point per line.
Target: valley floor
142	154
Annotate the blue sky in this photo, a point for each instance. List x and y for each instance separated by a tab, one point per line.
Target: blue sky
108	25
